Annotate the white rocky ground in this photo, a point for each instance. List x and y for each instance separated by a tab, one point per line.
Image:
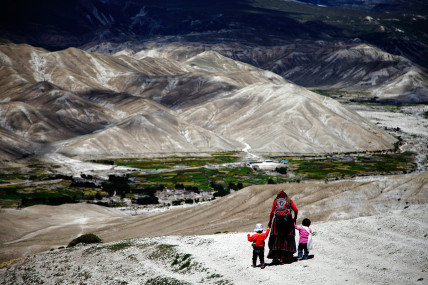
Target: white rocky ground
407	122
382	249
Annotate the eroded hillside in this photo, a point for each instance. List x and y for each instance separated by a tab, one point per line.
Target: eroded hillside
89	103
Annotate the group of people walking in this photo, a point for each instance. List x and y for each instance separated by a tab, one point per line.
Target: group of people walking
281	227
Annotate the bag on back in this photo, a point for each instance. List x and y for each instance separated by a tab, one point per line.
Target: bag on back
283	207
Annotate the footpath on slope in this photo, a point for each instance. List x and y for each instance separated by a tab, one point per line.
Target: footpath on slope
54	226
381	249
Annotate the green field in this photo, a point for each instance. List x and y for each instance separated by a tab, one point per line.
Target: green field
202	177
195	174
172	161
340	167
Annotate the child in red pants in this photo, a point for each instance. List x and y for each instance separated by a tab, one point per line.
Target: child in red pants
258	240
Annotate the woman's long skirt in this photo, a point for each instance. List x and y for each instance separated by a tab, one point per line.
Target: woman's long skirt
282	244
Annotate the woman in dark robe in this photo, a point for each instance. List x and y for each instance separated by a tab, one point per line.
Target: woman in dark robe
282	244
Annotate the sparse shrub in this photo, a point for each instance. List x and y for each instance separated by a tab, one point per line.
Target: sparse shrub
185	265
86	238
119	246
163	252
183	262
188	201
165	281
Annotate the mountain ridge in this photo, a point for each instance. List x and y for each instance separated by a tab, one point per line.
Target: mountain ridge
98	93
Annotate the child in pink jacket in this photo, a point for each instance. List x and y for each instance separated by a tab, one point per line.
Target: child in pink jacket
304	234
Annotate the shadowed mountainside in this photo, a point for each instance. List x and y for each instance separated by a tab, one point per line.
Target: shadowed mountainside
365	70
375	49
12	145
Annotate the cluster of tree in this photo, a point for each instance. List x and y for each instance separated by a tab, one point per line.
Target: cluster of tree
150	192
234	186
50	177
104	161
85	184
56	200
220	190
84	176
118	178
120	188
192	188
281	170
117	184
148	189
187	201
146	200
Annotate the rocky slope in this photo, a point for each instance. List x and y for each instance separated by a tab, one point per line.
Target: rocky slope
370	218
90	103
226	258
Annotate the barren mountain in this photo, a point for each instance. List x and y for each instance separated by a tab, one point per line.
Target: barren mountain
278	118
117	104
328	65
359	46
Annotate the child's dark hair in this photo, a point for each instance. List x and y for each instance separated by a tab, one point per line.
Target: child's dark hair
306	222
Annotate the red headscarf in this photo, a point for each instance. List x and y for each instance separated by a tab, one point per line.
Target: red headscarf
282	194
